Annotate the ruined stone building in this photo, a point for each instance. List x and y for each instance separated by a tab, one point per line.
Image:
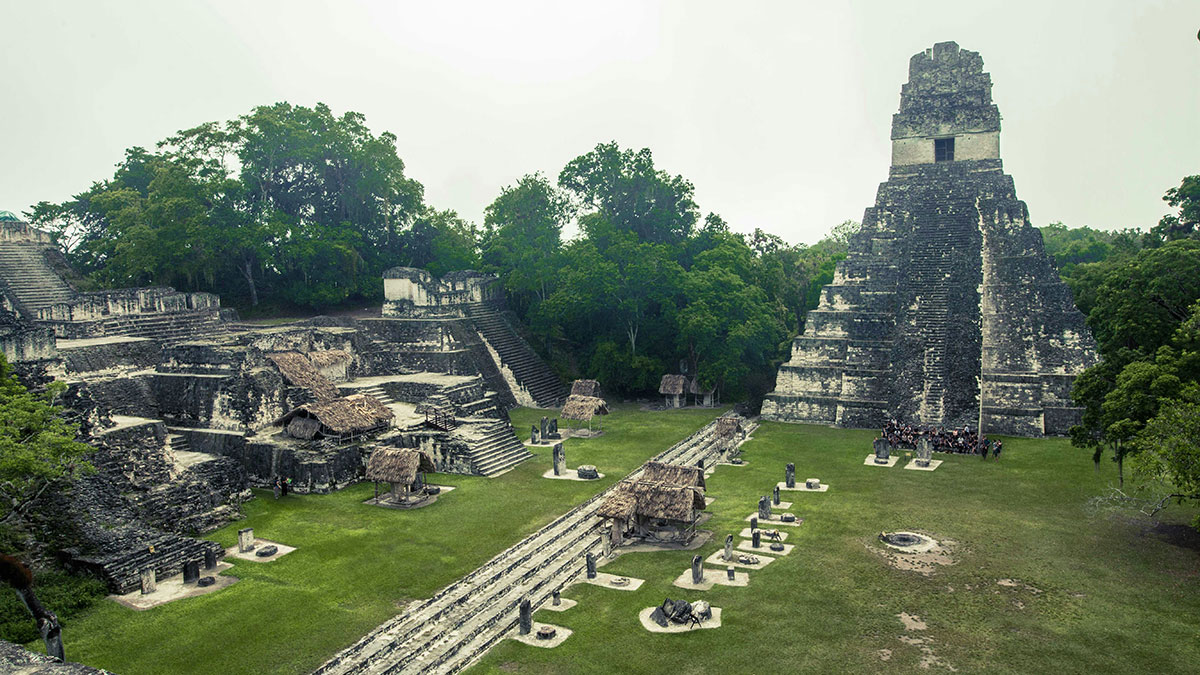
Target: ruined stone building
947	310
188	407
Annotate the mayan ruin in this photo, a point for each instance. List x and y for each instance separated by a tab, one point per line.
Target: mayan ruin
421	339
947	311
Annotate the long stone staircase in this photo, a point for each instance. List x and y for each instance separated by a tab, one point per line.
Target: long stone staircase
166	327
530	371
30	280
449	631
930	273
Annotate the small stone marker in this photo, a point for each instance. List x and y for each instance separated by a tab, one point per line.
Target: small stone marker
149	580
533	435
526	613
789	475
560	460
882	450
587	472
756	538
206	581
700	463
924	452
788	517
552	432
191	572
729	571
764	508
591	565
775	496
812	484
546	633
210	559
697	570
267	551
246	540
729	547
606	539
545	426
556	598
753	522
776	546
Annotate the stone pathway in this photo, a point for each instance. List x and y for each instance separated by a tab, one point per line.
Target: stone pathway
455	627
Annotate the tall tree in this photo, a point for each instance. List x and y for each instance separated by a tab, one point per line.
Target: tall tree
631	193
522	239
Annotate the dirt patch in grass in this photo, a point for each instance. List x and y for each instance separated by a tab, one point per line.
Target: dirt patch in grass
924	562
911	621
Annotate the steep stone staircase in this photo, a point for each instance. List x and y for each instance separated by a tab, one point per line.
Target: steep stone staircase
530	371
29	277
498	450
930	273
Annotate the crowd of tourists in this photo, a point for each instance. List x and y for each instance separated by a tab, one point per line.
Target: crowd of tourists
959	441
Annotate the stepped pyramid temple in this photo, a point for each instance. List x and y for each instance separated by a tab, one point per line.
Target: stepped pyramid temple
188	407
947	310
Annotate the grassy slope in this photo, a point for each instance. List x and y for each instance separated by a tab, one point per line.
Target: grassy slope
356	564
1114	597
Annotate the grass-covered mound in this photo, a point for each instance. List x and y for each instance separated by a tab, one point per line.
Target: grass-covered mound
357	565
1041	581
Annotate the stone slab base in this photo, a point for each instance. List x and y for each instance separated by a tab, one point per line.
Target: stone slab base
748	547
800	487
259	543
569	474
563	605
648	624
933	464
870	461
718	558
173	588
560	634
712	577
749	534
774	520
605	580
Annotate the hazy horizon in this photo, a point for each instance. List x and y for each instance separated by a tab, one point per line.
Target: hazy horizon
779	113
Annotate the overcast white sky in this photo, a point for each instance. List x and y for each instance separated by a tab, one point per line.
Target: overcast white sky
778	112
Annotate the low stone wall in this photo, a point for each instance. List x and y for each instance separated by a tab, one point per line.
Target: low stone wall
125	354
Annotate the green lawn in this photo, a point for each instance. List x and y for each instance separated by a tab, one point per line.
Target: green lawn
357	565
1113	595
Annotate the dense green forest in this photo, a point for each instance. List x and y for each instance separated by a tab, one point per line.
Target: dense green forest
291	208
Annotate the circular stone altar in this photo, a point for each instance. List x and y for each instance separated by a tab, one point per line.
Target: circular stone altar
546	632
619	581
908	542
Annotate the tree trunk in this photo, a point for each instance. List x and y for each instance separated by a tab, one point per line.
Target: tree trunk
247	271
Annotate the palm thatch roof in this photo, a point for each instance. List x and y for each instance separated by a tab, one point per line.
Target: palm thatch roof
673	385
673	474
727	427
586	388
354	414
652	500
583	408
305	428
328	357
398	465
299	371
621	504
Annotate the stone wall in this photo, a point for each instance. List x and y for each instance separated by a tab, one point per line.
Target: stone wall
412	292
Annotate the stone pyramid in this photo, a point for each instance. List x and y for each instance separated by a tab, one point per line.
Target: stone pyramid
947	310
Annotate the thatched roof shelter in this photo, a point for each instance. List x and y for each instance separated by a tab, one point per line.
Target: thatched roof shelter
586	388
674	474
299	372
398	465
584	408
728	427
652	500
621	504
339	418
695	388
673	385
